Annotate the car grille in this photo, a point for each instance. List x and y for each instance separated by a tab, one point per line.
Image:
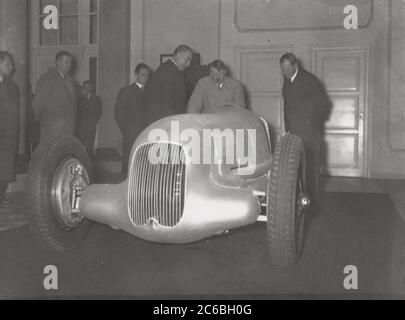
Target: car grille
156	188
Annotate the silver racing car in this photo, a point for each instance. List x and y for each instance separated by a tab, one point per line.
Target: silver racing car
190	177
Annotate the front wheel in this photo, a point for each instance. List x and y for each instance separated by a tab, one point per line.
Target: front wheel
59	172
286	201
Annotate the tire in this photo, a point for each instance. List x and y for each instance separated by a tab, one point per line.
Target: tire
48	197
286	204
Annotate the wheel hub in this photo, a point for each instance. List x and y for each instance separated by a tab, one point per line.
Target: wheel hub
69	182
304	201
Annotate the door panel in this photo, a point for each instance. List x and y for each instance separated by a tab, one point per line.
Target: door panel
344	151
339	73
345	113
258	68
343	71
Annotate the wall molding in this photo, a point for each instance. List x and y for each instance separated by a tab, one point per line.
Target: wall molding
394	148
137	34
219	41
238	50
249	30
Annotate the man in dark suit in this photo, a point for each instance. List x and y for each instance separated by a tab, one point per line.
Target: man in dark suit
129	110
55	102
192	74
306	108
166	90
9	122
88	114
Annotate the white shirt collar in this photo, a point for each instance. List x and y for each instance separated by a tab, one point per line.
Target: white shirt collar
220	85
171	58
61	74
139	85
294	76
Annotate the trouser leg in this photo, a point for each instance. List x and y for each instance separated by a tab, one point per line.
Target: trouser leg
126	150
313	163
90	139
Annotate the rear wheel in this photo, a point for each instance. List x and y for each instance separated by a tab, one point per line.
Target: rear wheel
286	201
59	172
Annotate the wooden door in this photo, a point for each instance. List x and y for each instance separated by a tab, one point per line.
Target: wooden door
343	69
259	71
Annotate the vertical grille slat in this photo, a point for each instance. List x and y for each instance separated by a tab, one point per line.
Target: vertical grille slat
183	182
170	185
138	202
177	180
132	182
142	187
156	190
176	188
137	169
149	181
164	188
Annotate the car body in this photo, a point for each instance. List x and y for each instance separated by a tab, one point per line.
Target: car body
209	199
190	177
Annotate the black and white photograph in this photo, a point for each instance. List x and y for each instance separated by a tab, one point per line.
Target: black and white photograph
202	150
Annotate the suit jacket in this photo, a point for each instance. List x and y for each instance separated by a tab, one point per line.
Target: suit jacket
55	105
89	112
306	104
165	93
192	75
9	124
129	110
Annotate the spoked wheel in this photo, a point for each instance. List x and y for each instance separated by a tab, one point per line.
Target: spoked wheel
286	202
59	173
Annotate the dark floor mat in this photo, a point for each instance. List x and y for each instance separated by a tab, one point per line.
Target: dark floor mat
13	215
363	230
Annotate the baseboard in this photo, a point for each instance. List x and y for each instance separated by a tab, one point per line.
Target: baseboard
350	184
107	167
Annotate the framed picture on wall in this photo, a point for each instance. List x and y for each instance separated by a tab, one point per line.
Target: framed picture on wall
164	58
196	58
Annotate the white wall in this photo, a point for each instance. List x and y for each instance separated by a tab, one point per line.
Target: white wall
209	26
159	26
